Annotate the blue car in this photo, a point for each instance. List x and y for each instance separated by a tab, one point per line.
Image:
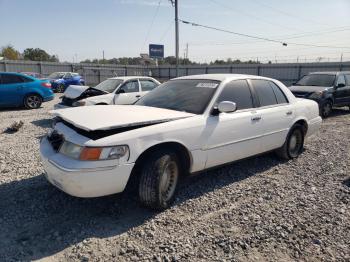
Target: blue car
22	90
61	80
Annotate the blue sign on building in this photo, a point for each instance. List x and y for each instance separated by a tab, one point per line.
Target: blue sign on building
156	51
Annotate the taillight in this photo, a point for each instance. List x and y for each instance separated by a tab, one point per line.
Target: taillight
45	84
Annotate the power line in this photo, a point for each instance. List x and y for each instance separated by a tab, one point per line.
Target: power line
150	28
257	37
278	38
231	32
166	31
276	10
240	12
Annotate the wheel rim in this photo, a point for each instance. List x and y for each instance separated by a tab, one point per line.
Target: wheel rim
33	101
327	109
295	143
169	180
60	88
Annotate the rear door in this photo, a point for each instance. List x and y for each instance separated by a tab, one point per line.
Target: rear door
128	93
12	90
274	113
146	86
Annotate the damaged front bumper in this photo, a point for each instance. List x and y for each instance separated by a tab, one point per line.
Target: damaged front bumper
83	178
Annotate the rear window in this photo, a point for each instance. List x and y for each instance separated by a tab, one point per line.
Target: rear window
11	79
265	92
280	96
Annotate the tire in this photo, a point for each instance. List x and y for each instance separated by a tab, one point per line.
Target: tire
159	178
326	109
33	101
60	88
294	144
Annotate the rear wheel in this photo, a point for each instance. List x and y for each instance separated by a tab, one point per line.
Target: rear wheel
32	101
159	179
60	88
294	144
326	109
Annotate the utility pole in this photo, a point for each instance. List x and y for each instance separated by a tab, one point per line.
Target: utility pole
103	55
177	37
187	51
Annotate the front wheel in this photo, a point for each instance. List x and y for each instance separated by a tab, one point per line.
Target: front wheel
60	88
294	144
326	109
33	101
159	179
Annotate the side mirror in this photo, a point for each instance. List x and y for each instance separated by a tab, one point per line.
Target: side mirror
227	107
340	85
120	91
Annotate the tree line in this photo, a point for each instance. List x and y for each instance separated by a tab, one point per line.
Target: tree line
37	54
31	54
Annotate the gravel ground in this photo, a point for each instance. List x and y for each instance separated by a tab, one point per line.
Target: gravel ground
258	209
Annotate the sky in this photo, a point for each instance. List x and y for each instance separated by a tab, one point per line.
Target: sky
81	29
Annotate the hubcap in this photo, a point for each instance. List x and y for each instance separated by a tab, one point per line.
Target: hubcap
295	143
169	180
326	109
33	101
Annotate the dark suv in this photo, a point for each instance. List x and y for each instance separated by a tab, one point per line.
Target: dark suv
328	89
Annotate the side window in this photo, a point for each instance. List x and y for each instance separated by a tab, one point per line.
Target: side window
130	87
341	80
68	75
280	96
26	79
347	80
11	79
147	85
265	92
237	91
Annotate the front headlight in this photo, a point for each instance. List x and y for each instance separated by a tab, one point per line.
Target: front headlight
120	153
79	103
316	95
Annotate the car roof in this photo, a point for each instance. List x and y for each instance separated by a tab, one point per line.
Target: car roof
219	77
124	78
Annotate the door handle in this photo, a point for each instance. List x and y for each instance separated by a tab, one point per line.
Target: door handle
289	113
256	118
137	96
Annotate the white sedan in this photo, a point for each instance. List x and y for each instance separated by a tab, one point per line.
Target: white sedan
185	125
124	90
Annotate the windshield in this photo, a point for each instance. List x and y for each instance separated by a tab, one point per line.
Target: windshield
56	75
190	96
109	85
317	80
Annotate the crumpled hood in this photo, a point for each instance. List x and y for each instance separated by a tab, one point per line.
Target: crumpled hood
91	118
307	89
73	91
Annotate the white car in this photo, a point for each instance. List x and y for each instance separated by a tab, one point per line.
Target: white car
123	90
185	125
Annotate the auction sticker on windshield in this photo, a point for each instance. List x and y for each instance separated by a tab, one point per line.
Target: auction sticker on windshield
207	85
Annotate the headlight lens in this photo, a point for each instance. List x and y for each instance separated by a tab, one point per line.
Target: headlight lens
120	153
316	95
79	103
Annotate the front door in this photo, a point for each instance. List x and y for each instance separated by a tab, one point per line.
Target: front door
232	136
128	93
11	90
342	91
